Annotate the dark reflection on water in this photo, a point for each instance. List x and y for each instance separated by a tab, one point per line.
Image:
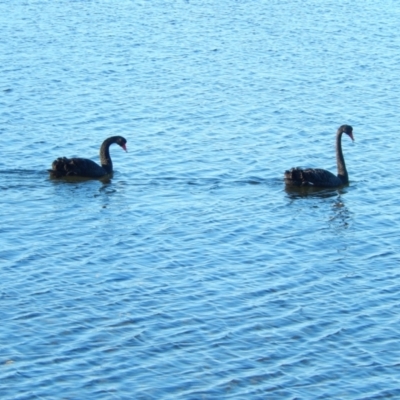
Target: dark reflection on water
77	179
294	192
338	215
341	215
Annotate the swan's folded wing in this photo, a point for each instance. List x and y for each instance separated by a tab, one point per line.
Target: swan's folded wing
76	167
311	177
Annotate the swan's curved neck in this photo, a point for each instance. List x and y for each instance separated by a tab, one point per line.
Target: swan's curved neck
341	165
105	158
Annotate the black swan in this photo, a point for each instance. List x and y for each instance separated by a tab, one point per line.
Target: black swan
320	177
83	167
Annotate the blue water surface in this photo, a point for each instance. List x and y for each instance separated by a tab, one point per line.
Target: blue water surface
194	273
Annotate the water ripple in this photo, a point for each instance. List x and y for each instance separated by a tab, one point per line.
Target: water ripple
193	272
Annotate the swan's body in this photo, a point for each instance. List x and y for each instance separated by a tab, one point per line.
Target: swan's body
83	167
320	177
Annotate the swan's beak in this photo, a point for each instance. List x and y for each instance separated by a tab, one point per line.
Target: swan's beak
124	147
351	136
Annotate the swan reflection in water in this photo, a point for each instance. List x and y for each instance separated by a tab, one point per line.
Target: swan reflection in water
297	192
338	216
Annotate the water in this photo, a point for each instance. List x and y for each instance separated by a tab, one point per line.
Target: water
194	273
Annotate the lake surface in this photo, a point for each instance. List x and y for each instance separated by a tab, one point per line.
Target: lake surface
194	273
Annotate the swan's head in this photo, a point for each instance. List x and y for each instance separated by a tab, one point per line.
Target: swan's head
348	130
122	142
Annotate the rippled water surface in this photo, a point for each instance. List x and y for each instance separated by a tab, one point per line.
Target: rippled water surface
194	273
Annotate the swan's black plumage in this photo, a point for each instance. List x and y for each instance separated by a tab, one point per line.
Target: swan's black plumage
83	167
320	177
